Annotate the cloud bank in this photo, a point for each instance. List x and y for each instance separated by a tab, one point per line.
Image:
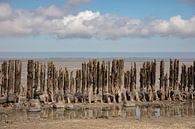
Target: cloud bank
88	24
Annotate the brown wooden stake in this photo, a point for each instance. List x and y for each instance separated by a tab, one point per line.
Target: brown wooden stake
171	74
42	79
162	92
194	74
90	81
30	79
11	78
99	79
189	78
55	83
4	78
166	86
61	86
18	72
36	79
50	81
94	77
109	78
176	73
71	88
66	81
78	81
1	81
84	79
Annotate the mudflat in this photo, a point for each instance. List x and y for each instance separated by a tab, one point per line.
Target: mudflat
161	123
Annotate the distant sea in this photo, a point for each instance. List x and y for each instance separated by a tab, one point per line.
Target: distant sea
42	55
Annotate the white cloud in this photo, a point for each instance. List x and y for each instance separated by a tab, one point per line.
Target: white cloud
52	11
5	10
88	24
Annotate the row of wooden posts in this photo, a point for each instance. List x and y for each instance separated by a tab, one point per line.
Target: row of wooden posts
103	81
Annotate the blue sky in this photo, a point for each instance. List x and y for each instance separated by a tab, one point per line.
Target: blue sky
97	25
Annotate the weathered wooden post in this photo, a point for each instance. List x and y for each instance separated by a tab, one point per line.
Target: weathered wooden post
84	80
162	73
135	73
89	81
106	81
0	81
194	75
94	77
50	81
120	79
30	79
67	81
43	88
55	83
162	92
17	82
183	78
166	86
131	78
153	79
71	87
109	78
99	80
114	79
11	80
142	79
61	82
4	79
148	75
103	77
189	82
171	74
176	73
36	79
78	81
153	74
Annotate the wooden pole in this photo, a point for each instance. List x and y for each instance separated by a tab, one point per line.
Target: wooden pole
90	81
161	73
94	77
78	81
109	78
30	78
171	74
18	72
71	88
176	73
84	79
50	81
36	80
11	78
61	82
162	91
42	79
55	83
66	82
4	78
1	77
194	74
166	86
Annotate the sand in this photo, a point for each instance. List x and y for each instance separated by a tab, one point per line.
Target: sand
163	123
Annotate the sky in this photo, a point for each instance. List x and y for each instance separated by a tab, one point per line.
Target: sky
97	25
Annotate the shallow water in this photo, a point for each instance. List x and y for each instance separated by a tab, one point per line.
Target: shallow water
138	113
